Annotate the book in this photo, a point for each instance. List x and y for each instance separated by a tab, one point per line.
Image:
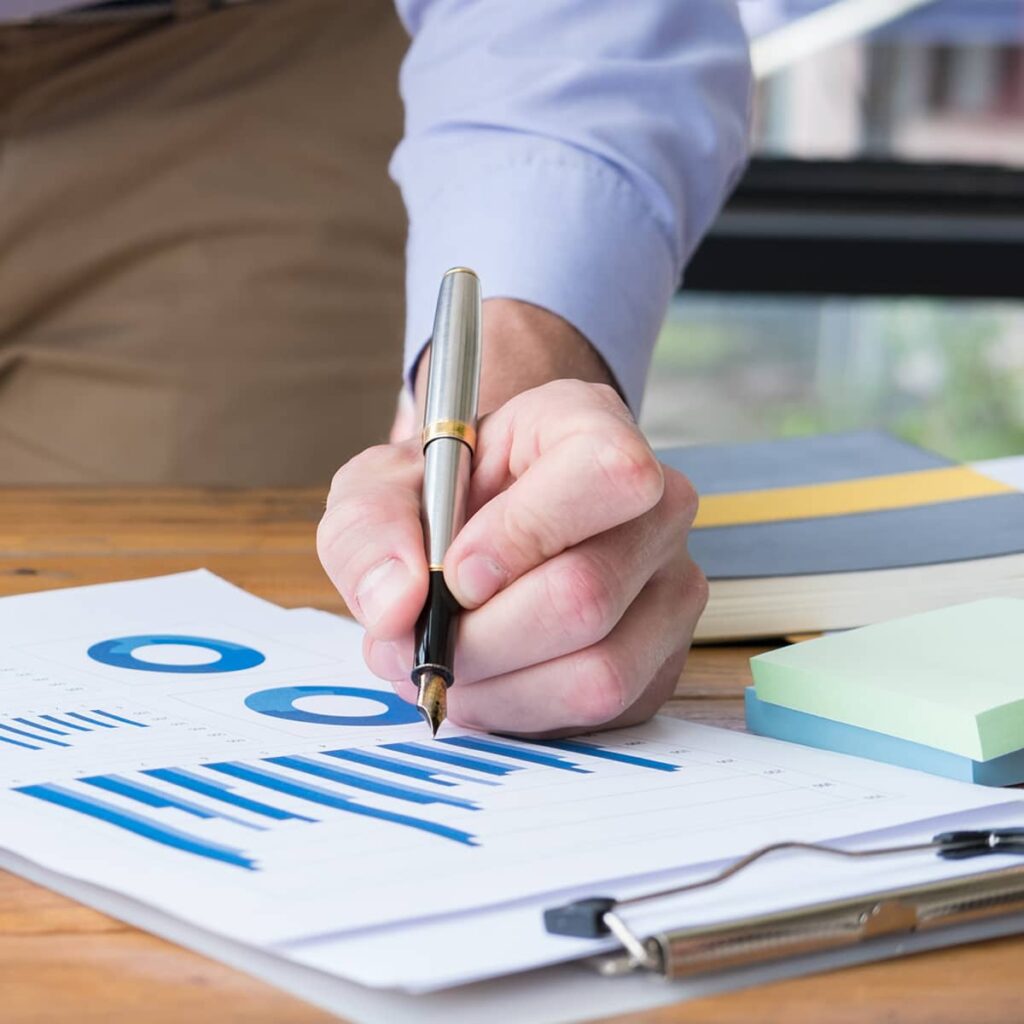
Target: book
842	530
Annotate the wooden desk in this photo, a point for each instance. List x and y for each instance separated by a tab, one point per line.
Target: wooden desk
60	961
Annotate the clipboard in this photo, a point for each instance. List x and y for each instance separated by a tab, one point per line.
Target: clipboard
992	901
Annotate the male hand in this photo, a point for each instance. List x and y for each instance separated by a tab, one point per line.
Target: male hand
581	598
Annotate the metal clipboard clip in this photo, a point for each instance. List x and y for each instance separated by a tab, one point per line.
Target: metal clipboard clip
687	951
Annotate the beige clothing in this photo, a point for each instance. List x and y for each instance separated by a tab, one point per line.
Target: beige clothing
200	249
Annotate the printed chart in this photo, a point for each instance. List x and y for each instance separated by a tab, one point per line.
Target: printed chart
195	749
438	769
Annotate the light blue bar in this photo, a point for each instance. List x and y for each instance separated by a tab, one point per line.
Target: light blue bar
67	725
810	730
36	725
119	718
318	795
18	743
347	777
137	823
434	753
91	721
576	747
32	736
218	791
390	764
151	797
519	753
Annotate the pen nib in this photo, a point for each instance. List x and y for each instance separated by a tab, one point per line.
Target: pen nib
432	701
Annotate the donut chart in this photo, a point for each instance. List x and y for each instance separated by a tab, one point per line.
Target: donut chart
280	701
119	652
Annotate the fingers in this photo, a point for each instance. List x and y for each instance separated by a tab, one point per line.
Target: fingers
566	463
370	540
569	603
621	680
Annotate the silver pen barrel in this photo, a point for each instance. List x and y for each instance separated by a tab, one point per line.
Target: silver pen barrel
449	421
449	439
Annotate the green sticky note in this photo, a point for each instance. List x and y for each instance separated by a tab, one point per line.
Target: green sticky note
951	679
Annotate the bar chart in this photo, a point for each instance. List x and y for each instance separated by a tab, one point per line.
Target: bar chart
49	731
434	789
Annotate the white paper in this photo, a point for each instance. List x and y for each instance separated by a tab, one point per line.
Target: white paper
1008	470
277	868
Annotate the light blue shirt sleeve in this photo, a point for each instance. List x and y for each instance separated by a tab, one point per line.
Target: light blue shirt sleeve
572	152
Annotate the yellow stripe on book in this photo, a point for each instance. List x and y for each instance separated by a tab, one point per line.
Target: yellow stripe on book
847	497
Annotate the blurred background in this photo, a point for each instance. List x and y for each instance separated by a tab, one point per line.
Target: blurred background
869	270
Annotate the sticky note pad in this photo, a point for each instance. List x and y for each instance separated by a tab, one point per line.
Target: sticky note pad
799	727
951	679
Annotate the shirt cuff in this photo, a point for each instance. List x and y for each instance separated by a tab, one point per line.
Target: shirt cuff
562	230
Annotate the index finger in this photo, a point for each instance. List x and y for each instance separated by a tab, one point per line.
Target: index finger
579	466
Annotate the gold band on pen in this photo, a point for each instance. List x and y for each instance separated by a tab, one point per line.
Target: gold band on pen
435	568
457	429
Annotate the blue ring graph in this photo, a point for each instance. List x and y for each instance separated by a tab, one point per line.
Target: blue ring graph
280	703
120	653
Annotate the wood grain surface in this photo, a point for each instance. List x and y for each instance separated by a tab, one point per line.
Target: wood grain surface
62	962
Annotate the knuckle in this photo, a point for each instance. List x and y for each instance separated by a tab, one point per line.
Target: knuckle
600	694
680	495
686	587
334	535
529	532
372	464
632	469
608	398
583	598
698	589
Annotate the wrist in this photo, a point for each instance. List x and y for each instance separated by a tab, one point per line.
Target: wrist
525	346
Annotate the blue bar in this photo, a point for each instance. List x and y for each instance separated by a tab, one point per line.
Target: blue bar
151	797
18	743
118	718
576	747
522	754
216	791
32	736
91	721
137	823
475	764
44	728
67	725
321	796
391	764
369	783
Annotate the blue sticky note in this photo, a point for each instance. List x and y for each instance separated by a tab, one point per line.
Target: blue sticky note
812	731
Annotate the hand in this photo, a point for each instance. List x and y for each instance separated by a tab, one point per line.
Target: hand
581	597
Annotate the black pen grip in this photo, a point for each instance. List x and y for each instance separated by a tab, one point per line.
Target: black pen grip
435	631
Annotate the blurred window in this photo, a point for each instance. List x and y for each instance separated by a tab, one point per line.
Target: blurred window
840	137
944	82
947	374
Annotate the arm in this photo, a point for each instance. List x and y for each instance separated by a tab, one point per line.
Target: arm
572	153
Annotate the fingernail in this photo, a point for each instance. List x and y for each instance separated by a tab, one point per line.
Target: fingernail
479	579
380	588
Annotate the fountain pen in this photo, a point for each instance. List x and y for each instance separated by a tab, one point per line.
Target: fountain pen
449	440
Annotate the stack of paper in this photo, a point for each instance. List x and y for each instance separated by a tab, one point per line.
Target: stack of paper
227	774
942	691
